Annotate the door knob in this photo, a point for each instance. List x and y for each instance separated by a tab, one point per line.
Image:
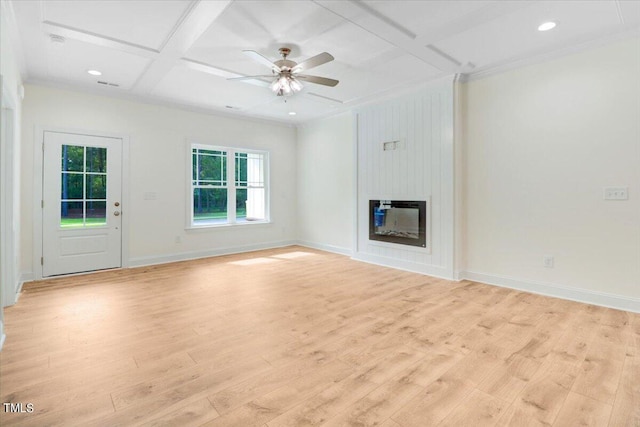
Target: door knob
116	204
116	213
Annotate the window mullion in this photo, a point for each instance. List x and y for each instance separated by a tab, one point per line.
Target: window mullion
231	186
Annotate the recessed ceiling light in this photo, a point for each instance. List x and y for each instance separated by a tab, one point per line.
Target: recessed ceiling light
292	113
547	26
94	72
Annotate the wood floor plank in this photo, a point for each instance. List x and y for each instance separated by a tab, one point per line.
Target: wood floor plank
275	403
599	374
478	409
537	405
626	407
377	406
295	336
583	411
510	378
193	414
319	408
435	402
230	398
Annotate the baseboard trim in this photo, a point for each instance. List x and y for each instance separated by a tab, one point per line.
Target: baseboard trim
327	248
429	270
558	291
186	256
24	277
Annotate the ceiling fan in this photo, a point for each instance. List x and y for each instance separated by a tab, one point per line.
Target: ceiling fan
287	74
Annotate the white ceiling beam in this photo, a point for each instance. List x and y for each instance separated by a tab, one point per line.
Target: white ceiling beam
97	39
198	17
366	18
209	69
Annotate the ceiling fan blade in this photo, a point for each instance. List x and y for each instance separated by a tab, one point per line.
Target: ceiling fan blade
261	59
318	80
314	61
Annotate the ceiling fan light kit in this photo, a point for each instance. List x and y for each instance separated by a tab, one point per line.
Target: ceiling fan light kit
287	73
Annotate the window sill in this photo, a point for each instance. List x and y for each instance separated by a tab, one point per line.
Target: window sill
205	227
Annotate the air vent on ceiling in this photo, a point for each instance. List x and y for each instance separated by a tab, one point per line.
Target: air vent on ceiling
108	84
56	38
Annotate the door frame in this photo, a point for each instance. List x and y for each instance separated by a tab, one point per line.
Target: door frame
38	176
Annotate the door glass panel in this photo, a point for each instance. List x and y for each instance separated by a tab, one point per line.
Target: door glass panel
96	186
72	158
209	205
96	213
83	187
72	186
96	159
71	214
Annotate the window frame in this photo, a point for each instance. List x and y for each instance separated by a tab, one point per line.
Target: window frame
231	186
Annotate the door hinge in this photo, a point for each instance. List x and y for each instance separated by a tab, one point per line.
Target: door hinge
43	147
41	260
42	203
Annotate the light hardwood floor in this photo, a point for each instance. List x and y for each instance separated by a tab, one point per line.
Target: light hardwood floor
297	337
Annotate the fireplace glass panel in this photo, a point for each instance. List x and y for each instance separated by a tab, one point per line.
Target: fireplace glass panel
398	221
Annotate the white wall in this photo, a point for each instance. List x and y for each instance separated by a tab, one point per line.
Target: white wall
541	143
11	104
420	169
158	163
325	183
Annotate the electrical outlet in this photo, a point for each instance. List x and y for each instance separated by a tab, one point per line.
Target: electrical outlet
547	261
616	193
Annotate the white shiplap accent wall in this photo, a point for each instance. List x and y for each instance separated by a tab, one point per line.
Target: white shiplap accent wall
420	169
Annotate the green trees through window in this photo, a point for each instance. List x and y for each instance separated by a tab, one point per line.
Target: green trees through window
83	186
224	178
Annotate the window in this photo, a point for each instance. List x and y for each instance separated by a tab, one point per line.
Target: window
228	186
83	186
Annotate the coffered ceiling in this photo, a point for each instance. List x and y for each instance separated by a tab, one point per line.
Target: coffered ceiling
182	52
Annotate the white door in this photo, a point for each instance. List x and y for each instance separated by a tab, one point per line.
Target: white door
81	221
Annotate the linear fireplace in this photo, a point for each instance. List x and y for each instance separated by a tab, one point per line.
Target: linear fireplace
398	221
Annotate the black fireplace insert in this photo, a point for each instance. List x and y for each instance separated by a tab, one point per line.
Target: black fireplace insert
398	221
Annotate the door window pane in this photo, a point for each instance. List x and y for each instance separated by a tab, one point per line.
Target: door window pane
72	186
209	205
72	214
96	187
96	159
96	213
83	187
72	158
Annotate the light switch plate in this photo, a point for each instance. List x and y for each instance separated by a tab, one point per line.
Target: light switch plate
616	193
